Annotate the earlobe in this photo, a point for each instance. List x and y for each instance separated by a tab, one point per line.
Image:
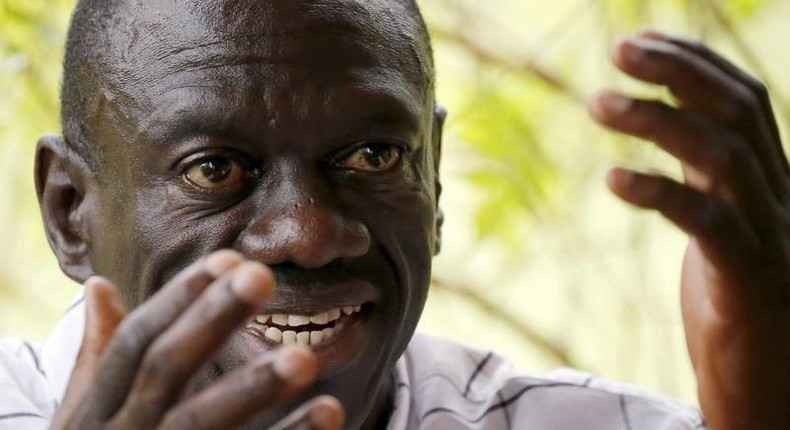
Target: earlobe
439	117
60	175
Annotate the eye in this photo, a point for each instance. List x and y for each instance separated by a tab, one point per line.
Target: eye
217	173
372	157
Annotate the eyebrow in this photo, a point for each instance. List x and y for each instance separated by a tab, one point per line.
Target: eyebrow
376	112
184	106
388	110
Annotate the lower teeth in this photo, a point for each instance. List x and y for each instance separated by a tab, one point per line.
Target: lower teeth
291	337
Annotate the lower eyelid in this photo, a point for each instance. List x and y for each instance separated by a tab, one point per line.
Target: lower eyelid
401	151
245	181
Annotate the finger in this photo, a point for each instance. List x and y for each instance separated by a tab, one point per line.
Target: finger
322	413
723	235
241	395
715	160
694	81
173	358
104	311
700	85
132	338
757	87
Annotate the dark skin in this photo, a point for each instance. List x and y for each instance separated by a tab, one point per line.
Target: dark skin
222	290
734	203
288	132
301	205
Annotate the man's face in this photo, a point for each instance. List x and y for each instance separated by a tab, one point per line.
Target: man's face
298	134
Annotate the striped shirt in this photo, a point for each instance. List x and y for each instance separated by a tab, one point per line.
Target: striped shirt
444	385
440	385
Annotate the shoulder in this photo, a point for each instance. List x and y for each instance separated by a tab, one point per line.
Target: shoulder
454	386
25	400
33	377
631	406
436	363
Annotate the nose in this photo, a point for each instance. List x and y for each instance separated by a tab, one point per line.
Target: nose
298	222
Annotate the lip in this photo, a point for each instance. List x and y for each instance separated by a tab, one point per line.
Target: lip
314	298
334	354
347	343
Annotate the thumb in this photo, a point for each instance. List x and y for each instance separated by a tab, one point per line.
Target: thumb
105	309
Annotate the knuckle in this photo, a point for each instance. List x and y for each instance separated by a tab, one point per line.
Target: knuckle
131	337
194	285
261	376
183	418
694	45
189	283
742	108
758	87
730	159
668	56
714	220
657	189
159	362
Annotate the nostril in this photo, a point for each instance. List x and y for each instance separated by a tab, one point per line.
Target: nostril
311	235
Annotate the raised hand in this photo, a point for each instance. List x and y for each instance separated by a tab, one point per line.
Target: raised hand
143	370
734	203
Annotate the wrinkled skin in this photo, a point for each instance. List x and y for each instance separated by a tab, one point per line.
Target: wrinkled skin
734	203
281	94
322	121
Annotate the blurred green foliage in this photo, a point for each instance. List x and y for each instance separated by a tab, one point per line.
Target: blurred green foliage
514	172
32	33
538	260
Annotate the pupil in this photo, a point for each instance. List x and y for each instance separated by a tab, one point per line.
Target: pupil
215	170
376	156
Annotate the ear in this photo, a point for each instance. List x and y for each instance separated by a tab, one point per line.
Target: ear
439	117
61	176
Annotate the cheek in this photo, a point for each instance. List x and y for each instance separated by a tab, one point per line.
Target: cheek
402	225
407	240
404	217
170	235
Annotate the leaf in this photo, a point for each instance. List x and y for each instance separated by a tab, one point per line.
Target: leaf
513	173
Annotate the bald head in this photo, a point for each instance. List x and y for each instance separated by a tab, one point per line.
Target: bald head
302	133
114	46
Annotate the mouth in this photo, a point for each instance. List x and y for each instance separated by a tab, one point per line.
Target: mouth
338	321
337	336
305	330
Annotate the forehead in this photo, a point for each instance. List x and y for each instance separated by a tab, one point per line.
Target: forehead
275	29
285	45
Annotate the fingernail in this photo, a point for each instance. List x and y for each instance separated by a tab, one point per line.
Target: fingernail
252	282
292	364
650	33
92	308
632	52
628	51
325	413
614	103
605	104
100	297
220	262
618	178
320	416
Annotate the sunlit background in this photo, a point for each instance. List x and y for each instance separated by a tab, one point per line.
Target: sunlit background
539	262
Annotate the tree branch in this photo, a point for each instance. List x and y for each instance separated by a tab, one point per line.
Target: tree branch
530	66
524	330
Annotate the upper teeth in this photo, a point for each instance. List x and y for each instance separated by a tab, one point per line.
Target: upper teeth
302	337
301	320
